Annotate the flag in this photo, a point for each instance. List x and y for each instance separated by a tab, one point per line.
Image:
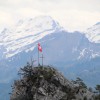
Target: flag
39	47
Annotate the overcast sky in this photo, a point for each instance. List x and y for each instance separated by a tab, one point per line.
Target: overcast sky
71	14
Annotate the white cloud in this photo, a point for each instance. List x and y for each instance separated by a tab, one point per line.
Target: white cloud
72	14
28	12
6	19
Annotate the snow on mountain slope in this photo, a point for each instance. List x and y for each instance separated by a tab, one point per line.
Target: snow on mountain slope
60	48
93	33
24	33
71	53
22	39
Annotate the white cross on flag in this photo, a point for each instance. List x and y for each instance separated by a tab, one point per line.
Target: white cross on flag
39	47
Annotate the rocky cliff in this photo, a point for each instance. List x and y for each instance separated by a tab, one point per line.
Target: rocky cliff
46	83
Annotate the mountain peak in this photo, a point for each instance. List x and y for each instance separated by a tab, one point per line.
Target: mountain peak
93	33
25	33
46	83
39	23
98	23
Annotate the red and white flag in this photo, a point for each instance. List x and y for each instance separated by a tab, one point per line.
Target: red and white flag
39	47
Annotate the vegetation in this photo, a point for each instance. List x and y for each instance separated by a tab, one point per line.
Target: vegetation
32	78
97	95
47	80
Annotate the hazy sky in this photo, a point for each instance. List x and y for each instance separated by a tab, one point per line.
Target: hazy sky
71	14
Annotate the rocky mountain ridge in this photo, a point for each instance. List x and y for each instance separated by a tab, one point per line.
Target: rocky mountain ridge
93	33
46	83
59	46
70	52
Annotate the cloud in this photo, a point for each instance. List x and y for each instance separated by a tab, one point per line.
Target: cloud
72	14
6	19
74	19
28	12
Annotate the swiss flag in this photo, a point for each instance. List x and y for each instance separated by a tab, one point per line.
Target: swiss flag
39	47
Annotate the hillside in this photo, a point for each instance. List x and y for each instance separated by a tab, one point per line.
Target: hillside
46	83
73	53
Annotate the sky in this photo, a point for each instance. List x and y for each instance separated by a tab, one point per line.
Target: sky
73	15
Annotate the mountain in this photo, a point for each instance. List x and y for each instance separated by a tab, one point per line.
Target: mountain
46	83
24	33
70	52
93	33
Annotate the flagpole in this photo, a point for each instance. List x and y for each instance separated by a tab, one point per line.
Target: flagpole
42	59
38	57
39	50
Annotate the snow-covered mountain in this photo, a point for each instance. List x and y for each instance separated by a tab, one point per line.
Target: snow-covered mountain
24	33
93	33
59	46
72	53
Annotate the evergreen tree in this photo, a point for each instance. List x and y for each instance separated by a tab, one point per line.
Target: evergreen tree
80	82
97	97
98	88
